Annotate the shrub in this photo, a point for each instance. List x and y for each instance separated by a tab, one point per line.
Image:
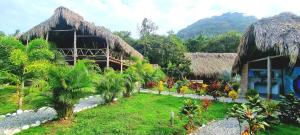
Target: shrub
170	83
254	119
289	107
251	93
206	103
130	79
160	87
69	84
150	84
189	111
202	91
111	85
233	94
183	89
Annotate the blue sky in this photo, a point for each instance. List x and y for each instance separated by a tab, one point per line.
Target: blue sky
118	15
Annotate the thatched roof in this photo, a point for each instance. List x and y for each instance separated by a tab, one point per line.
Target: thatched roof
277	35
210	65
75	21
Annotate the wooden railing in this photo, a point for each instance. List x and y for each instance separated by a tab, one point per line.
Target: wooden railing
92	53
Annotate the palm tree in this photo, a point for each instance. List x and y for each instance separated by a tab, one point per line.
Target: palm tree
111	85
70	83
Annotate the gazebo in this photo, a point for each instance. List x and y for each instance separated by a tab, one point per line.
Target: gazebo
77	39
268	59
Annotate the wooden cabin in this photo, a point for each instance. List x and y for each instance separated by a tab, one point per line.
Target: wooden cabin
268	59
77	39
208	66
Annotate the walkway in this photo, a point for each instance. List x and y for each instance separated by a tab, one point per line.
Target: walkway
14	123
221	127
195	96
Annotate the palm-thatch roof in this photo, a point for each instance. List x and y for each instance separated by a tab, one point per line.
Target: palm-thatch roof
75	21
277	35
210	65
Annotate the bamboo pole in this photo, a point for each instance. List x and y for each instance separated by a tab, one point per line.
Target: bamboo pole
75	48
121	62
107	53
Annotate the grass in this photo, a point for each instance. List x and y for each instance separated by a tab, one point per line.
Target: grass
9	100
283	129
140	114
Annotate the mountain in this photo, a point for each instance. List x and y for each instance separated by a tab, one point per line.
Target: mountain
217	25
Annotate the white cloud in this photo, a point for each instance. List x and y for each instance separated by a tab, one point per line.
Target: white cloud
126	14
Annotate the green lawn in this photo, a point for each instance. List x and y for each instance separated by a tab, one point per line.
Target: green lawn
283	129
140	114
9	100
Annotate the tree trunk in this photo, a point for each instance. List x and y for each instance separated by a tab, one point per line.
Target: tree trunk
20	93
64	111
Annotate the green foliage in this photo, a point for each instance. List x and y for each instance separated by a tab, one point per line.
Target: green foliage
251	93
111	85
259	114
189	111
289	107
39	49
217	25
69	83
7	44
226	42
130	79
126	36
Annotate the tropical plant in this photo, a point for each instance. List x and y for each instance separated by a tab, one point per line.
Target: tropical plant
111	85
189	111
130	79
289	107
181	83
251	93
233	95
183	89
25	63
170	83
160	87
254	119
206	103
70	83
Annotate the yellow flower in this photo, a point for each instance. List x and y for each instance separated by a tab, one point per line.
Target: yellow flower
233	94
160	86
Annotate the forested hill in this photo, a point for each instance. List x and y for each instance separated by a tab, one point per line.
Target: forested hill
217	25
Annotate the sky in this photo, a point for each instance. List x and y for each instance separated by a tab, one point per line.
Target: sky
126	15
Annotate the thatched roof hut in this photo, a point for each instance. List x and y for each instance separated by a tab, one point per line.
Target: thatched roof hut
210	65
65	19
277	35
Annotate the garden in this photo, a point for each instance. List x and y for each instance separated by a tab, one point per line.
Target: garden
36	76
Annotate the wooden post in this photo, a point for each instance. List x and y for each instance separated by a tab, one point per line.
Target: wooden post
27	39
269	78
121	62
244	80
47	36
107	53
75	48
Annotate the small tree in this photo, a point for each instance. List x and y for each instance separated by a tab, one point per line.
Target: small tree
25	63
111	85
70	83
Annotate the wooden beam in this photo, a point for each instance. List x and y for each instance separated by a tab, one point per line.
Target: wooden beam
27	39
266	58
107	53
75	48
86	36
62	30
47	36
122	62
269	78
